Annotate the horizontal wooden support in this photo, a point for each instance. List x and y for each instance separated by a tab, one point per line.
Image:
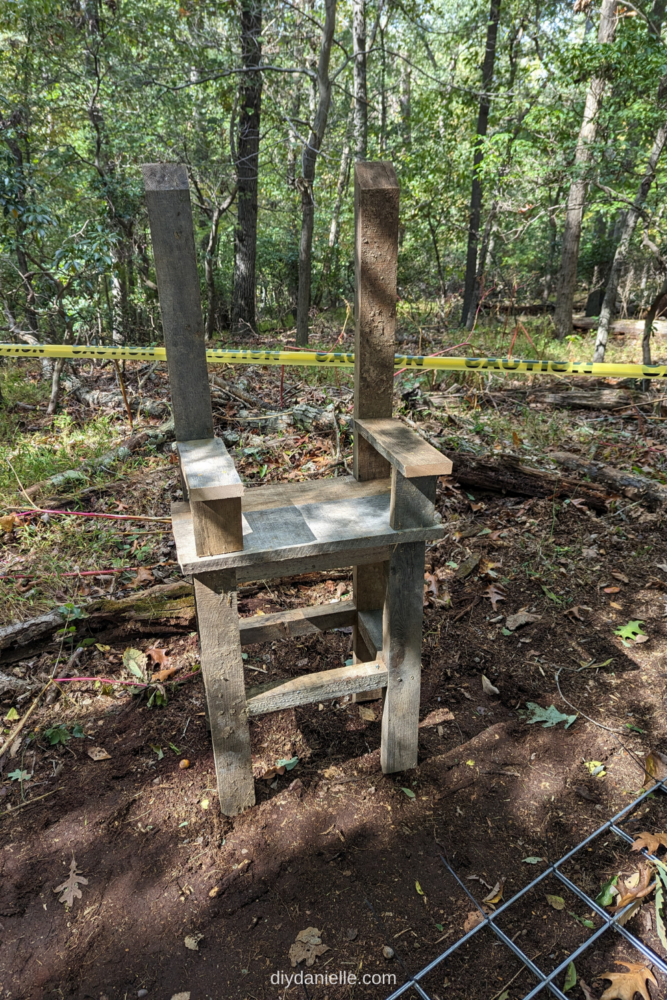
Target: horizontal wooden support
403	448
294	535
312	688
208	470
370	626
296	622
346	558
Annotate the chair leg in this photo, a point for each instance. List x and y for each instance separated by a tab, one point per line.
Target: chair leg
369	588
222	667
401	649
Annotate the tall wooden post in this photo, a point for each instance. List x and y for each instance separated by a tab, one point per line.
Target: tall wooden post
376	252
172	234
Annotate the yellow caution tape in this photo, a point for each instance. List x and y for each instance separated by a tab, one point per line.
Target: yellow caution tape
323	359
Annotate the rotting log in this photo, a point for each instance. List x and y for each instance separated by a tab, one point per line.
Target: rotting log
596	399
629	484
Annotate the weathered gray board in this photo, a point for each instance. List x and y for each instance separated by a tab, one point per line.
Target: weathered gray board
299	531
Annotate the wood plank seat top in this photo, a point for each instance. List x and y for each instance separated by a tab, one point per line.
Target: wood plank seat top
403	448
300	530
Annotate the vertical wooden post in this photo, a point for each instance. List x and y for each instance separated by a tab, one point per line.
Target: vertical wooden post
172	235
401	651
376	252
376	255
222	667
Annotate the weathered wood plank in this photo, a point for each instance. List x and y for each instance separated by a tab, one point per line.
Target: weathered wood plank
312	564
349	527
376	196
296	622
412	501
208	470
217	526
401	652
370	626
317	491
172	235
222	668
406	451
312	688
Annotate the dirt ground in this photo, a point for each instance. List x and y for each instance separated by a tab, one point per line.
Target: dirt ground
333	843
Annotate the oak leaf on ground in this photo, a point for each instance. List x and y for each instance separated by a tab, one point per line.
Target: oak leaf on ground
628	894
494	594
143	576
651	841
624	985
70	887
308	946
656	768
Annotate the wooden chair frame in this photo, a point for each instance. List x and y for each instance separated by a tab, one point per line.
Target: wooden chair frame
377	521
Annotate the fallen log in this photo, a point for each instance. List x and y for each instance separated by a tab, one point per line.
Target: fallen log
621	327
596	399
168	600
506	474
629	484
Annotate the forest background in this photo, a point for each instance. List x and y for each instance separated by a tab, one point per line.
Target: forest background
527	137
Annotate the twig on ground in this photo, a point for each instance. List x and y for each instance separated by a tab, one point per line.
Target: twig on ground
122	389
20	483
11	739
28	802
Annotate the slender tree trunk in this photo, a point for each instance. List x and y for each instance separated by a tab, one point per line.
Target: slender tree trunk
481	264
308	164
360	96
657	306
629	225
567	277
331	258
209	271
482	127
405	103
247	168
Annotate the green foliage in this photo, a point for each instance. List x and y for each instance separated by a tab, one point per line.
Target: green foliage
605	897
629	634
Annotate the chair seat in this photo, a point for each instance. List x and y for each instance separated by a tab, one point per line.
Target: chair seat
300	521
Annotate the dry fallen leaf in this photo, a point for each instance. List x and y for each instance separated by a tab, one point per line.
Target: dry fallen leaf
575	612
496	893
472	920
619	576
367	714
308	946
98	753
70	887
192	941
656	768
143	576
612	590
651	841
8	523
628	893
557	902
513	622
430	586
435	718
488	687
494	594
624	985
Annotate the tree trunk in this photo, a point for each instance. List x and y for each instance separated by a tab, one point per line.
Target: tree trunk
330	264
631	218
360	96
209	262
567	277
306	181
487	239
657	306
244	318
482	127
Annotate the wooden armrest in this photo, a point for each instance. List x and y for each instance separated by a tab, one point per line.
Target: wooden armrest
208	470
214	490
404	449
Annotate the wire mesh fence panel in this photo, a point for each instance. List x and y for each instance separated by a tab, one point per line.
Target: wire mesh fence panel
599	933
